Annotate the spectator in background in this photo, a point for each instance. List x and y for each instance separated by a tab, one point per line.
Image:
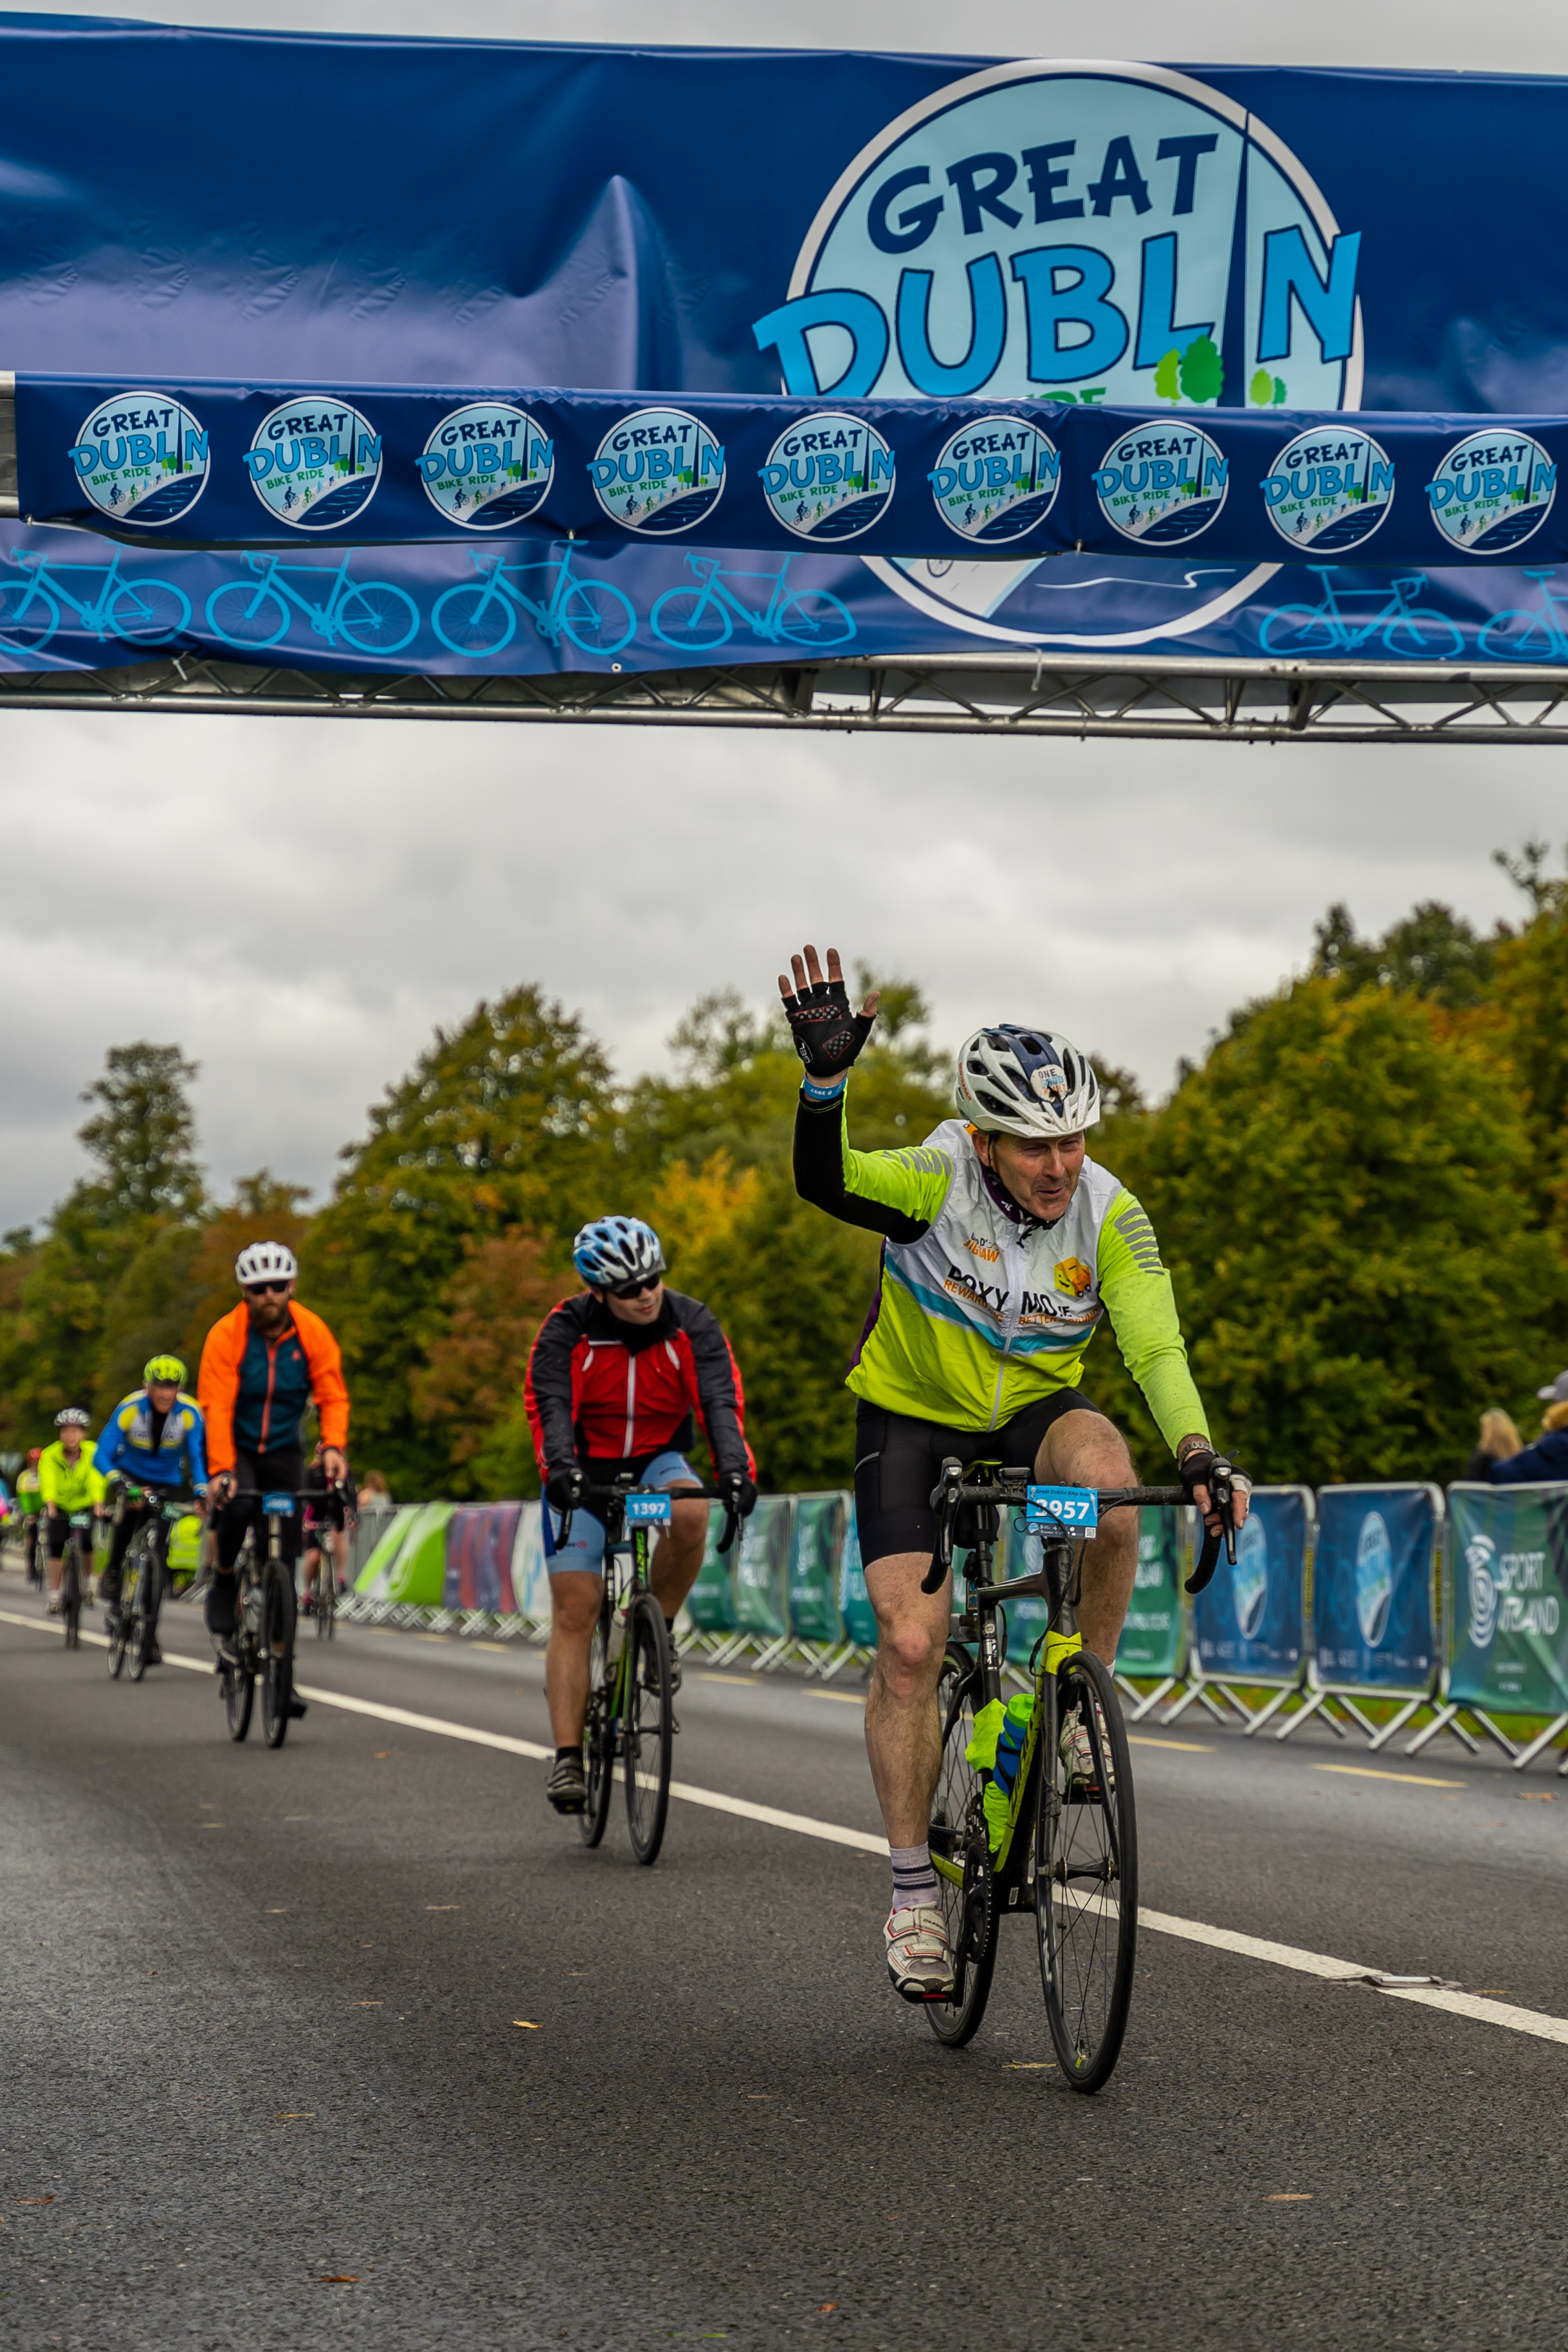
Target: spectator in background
374	1491
1499	1440
1548	1457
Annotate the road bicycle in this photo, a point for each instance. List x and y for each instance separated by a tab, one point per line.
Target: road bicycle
696	620
1017	1826
479	617
373	616
264	1620
134	1618
76	1568
128	605
1410	630
321	1593
1521	635
631	1712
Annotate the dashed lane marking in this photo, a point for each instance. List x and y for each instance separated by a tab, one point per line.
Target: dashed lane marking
1371	1772
1481	2011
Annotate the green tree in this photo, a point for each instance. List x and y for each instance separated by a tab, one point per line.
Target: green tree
468	1392
1430	952
1260	390
1342	1196
1202	371
143	1136
1532	1001
503	1121
1167	381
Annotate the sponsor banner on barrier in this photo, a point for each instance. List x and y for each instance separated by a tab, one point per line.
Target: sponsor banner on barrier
1250	1620
816	1542
1373	1585
480	1542
1224	264
711	1604
761	1570
854	1601
1153	1639
1508	1565
897	479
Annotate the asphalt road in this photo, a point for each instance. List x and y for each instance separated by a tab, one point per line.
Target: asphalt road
264	2083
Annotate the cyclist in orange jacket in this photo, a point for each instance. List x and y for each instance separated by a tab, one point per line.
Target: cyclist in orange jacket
262	1365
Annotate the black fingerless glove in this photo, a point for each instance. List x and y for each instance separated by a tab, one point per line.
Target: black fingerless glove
827	1035
1200	1466
563	1488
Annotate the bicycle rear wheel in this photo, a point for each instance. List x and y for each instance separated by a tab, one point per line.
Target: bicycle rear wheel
276	1655
239	1697
120	1619
647	1729
959	1835
598	1738
70	1593
1086	1876
139	1637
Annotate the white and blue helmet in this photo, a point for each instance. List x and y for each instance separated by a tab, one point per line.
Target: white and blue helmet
613	1252
1015	1081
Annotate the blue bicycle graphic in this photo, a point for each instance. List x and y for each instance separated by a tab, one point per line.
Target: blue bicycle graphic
1519	636
373	616
128	605
1411	632
480	618
696	620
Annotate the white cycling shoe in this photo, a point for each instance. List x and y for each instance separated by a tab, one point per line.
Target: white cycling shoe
1076	1751
920	1958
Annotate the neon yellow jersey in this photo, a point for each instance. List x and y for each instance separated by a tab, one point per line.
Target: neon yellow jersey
983	1310
66	1488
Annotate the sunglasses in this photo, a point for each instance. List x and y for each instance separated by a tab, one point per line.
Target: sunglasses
636	1289
267	1290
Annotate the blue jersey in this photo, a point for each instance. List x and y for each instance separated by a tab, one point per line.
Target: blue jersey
179	1457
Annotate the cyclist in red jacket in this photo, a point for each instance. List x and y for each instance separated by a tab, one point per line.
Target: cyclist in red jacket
615	1382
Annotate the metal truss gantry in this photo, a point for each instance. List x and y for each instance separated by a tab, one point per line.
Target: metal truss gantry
950	694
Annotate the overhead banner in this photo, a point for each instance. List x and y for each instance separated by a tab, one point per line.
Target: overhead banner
1249	1621
1239	261
1508	1630
235	465
1373	1585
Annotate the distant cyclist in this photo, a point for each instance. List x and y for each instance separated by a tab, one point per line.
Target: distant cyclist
261	1367
154	1437
30	1508
616	1381
1004	1246
68	1484
329	1515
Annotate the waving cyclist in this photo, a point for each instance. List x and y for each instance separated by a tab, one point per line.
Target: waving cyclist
615	1381
68	1482
1003	1248
154	1437
261	1367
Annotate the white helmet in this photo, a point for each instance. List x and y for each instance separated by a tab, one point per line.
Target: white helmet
1013	1081
265	1262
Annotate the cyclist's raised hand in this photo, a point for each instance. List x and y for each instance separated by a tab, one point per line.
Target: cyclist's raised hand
827	1035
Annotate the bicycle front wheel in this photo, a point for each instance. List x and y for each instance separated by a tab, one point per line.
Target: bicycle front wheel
959	1836
375	617
691	620
815	619
1516	635
648	1727
140	1633
249	616
1300	632
71	1593
1086	1875
276	1655
473	620
597	618
148	611
1422	635
598	1738
239	1697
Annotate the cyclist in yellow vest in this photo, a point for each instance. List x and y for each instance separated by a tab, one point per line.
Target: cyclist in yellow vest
68	1482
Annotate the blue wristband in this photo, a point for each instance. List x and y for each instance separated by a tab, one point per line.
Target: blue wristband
812	1093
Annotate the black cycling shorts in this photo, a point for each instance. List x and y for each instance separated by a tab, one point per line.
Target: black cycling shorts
898	1461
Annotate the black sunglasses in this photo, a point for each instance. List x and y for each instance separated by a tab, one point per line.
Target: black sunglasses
636	1289
266	1289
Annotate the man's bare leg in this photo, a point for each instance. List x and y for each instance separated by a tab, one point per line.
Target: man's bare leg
1084	1449
574	1597
903	1736
678	1554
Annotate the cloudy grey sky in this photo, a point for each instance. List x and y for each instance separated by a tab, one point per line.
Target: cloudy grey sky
298	903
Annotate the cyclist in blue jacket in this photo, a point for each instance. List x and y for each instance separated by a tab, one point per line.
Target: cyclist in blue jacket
155	1438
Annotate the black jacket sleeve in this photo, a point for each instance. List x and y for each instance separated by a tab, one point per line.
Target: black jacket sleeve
548	1391
718	1390
819	1175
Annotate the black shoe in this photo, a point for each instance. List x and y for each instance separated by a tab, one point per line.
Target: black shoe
568	1788
155	1655
296	1708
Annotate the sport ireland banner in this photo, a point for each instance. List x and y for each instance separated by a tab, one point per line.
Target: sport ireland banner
1507	1566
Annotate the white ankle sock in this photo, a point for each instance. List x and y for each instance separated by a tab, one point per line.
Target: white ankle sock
914	1880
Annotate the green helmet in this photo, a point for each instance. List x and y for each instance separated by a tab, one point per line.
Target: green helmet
163	1368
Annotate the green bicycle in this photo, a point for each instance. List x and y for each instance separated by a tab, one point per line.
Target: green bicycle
1034	1808
631	1709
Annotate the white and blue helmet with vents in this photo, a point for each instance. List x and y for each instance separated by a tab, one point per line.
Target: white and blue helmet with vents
1018	1081
615	1251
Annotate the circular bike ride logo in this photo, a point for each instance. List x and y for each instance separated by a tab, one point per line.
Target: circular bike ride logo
829	477
1161	486
1480	1568
1328	491
1374	1579
1492	491
995	481
1117	233
487	466
314	463
659	471
142	457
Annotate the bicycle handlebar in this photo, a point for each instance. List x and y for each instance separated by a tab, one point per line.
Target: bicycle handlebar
619	1488
1012	1488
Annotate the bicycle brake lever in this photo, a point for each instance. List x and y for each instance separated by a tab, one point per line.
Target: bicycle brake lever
1222	1495
732	1529
942	1501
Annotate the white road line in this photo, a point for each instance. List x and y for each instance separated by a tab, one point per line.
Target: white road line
1160	1923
